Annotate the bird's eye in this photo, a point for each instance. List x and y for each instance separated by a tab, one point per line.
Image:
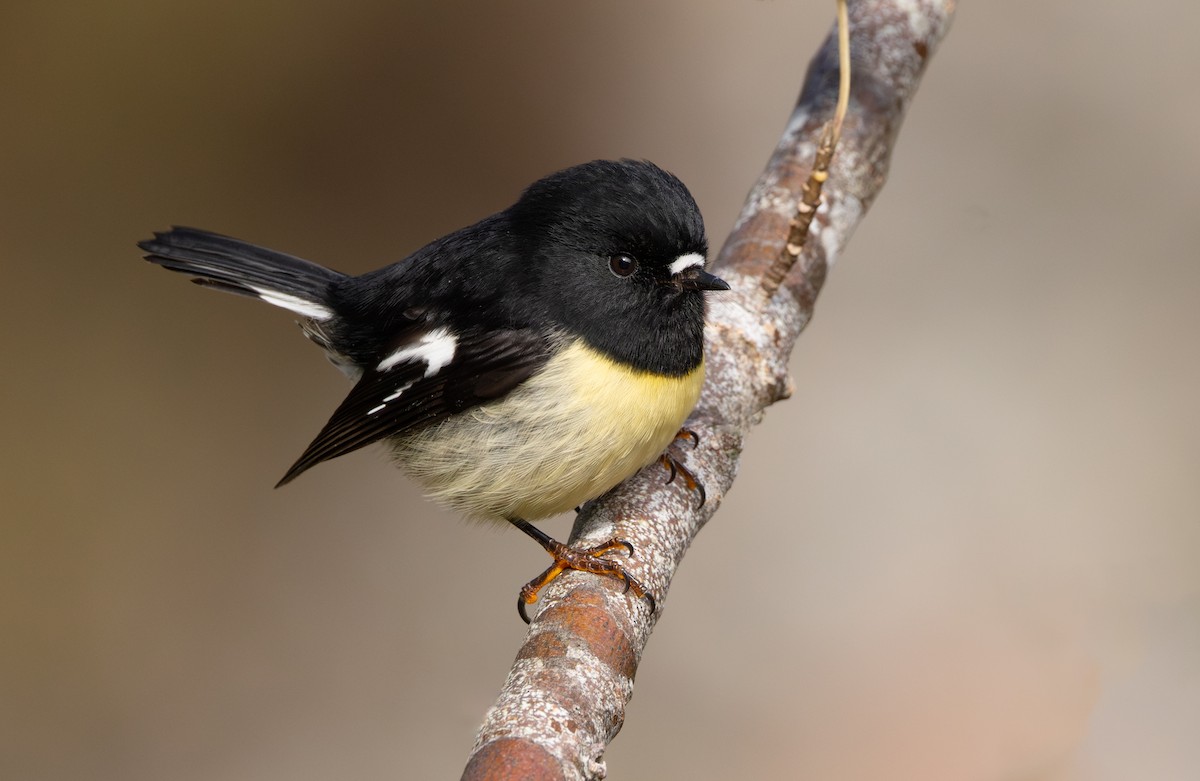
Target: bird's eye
622	265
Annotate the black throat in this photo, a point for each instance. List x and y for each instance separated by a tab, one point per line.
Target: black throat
666	338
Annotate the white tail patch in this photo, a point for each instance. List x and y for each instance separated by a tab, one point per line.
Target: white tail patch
435	349
686	261
298	305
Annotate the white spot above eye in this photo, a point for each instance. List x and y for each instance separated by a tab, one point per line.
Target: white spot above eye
686	261
298	305
435	348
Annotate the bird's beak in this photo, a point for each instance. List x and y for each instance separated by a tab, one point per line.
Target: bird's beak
696	278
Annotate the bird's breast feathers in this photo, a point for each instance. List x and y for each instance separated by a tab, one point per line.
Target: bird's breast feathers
568	434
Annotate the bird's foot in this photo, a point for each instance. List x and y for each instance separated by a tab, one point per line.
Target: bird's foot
672	462
585	560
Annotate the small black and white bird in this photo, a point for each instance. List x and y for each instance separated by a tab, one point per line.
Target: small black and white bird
518	367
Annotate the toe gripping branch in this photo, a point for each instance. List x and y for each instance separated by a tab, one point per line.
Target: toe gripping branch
671	461
585	560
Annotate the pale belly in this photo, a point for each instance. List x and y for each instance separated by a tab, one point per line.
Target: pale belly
567	435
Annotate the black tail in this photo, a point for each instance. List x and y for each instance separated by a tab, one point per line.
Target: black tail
246	269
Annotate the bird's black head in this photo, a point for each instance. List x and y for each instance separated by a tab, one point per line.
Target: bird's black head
615	253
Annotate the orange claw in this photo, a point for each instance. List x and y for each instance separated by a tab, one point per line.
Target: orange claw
585	560
671	462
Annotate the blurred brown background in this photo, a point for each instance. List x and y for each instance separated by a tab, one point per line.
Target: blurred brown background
985	488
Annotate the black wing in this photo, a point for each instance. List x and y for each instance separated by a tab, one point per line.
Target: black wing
427	376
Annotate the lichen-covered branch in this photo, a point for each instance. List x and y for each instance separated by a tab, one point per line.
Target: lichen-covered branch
565	696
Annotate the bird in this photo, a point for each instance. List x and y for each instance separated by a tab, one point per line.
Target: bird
515	368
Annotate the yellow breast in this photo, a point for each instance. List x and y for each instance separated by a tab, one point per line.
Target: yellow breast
565	436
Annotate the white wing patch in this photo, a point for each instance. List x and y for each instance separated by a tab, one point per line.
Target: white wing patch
686	261
298	305
435	349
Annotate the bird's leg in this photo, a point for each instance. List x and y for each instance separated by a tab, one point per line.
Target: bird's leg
671	462
585	560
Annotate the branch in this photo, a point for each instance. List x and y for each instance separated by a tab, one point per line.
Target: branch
565	696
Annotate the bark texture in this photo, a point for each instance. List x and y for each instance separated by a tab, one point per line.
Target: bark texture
565	697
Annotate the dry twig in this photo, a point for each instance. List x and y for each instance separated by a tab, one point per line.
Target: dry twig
565	696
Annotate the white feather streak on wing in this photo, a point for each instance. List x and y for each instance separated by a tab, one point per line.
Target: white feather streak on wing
395	395
686	261
298	305
435	348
